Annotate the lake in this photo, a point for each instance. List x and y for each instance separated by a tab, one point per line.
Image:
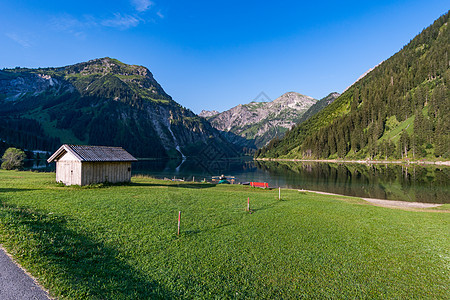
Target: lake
430	184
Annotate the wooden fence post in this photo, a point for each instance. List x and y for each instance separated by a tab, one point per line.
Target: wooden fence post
179	222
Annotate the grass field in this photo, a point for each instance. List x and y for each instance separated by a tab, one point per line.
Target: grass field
119	242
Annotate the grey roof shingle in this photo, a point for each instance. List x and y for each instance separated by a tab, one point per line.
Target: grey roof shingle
94	153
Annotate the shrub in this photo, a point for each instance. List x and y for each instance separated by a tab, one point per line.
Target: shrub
13	159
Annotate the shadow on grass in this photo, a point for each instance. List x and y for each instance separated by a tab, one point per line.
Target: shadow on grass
7	190
267	206
138	184
180	185
70	263
193	232
189	232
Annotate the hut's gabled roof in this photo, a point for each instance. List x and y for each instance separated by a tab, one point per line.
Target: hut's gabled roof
93	153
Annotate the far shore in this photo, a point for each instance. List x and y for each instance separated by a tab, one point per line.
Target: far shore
361	161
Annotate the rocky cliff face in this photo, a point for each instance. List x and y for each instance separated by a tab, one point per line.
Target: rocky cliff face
101	102
15	87
255	124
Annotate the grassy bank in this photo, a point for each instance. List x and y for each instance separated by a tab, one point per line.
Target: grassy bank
117	242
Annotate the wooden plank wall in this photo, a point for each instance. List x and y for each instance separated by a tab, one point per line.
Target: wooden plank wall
68	172
96	172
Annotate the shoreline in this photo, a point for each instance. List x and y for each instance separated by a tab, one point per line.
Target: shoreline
384	202
361	161
374	201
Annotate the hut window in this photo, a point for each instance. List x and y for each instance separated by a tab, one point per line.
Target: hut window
129	169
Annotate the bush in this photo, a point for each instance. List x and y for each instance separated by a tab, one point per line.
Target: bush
13	159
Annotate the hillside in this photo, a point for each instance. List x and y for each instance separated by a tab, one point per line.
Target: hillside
398	110
318	106
256	123
100	102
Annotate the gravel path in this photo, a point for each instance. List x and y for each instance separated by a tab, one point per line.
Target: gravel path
407	204
15	283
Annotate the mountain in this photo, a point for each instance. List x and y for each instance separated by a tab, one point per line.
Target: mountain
101	102
399	110
208	113
361	76
256	123
318	106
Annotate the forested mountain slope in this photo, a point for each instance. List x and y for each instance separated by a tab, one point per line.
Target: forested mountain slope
318	106
100	102
401	109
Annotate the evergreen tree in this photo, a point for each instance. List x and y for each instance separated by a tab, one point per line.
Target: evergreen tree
419	126
404	144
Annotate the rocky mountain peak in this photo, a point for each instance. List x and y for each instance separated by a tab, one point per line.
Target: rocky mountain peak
208	113
256	123
294	100
108	65
122	81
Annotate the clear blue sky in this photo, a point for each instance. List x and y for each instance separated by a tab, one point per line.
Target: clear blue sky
217	54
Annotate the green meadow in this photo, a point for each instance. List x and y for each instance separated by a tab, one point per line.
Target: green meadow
120	242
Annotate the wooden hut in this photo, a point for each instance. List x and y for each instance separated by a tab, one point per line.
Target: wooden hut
83	165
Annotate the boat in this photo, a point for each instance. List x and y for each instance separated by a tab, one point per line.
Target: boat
222	179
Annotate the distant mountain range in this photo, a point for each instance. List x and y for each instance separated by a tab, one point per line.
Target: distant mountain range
399	110
256	123
101	102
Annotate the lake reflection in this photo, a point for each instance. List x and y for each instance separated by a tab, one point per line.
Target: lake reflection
388	181
383	181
